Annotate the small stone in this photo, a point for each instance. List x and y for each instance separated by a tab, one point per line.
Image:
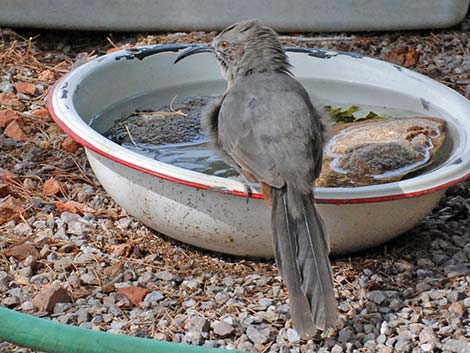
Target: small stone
457	308
466	302
62	264
453	297
446	331
76	224
98	319
83	258
61	308
376	296
458	241
70	145
82	315
198	326
370	344
47	298
415	329
369	337
427	347
427	335
221	298
14	131
403	346
191	283
61	234
424	273
11	101
292	335
11	302
153	298
4	279
52	187
264	303
207	305
22	251
166	276
456	346
425	263
189	303
223	329
135	294
88	278
385	329
368	328
23	229
345	335
27	306
381	339
337	349
124	223
26	88
116	326
247	346
39	279
6	87
385	350
145	277
260	336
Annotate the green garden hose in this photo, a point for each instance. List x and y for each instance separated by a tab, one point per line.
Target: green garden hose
51	337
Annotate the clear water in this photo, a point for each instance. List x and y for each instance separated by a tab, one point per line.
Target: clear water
196	154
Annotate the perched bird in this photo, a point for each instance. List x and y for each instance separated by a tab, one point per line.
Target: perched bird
266	127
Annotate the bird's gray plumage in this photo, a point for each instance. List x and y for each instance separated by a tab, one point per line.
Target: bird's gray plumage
266	127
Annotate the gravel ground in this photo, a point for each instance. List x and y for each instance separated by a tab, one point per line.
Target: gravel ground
70	254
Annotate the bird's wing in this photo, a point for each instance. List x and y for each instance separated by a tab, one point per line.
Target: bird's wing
268	125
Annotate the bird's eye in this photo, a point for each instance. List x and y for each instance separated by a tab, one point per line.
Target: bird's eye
224	44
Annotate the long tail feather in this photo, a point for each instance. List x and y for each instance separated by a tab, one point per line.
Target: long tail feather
301	251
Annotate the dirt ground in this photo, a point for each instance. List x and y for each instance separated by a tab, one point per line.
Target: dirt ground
58	227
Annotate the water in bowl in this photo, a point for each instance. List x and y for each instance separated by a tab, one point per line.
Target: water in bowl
168	130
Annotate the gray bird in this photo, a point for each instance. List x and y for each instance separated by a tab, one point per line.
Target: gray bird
266	127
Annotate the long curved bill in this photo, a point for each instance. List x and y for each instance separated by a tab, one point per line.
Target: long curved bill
200	48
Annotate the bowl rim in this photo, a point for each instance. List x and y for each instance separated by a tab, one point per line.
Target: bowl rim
63	115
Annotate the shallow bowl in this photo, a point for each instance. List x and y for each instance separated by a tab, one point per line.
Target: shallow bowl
212	212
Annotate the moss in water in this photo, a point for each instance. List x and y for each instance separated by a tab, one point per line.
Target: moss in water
342	116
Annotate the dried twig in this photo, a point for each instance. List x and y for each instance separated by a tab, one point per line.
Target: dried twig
130	136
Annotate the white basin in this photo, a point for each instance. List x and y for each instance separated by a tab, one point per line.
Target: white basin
211	212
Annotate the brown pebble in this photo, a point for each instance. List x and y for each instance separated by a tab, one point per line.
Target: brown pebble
457	308
4	190
7	116
22	251
26	87
51	187
135	294
70	145
14	131
47	298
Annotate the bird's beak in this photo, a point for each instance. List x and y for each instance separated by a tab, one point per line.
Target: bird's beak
195	49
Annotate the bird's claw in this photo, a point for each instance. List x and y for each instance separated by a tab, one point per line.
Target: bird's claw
248	191
246	187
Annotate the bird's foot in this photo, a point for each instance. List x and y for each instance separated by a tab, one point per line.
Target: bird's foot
246	187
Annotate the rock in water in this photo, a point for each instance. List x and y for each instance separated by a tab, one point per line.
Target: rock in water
175	123
380	150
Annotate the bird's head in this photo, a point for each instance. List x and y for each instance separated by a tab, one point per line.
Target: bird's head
245	48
